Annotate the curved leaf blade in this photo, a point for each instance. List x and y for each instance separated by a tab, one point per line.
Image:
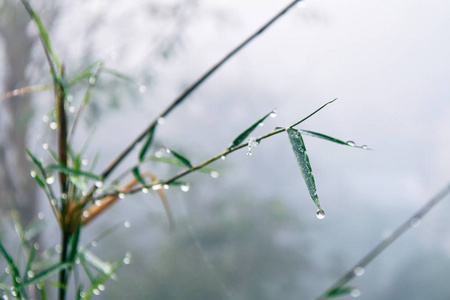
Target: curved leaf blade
180	158
298	146
147	143
332	139
237	141
70	171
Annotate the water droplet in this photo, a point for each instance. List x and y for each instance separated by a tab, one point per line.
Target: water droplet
92	80
94	244
351	143
58	248
64	196
14	293
127	260
70	98
84	193
261	124
7	270
99	183
72	109
127	224
96	292
84	161
33	173
77	261
5	297
273	114
101	287
36	246
415	222
85	214
364	147
145	190
82	294
50	179
185	187
40	215
142	89
252	143
121	195
53	202
355	293
359	271
53	125
157	187
45	146
223	157
45	119
214	174
320	214
168	151
166	186
17	279
161	121
98	203
159	153
30	274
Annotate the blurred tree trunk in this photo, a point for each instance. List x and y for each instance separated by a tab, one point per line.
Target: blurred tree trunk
16	184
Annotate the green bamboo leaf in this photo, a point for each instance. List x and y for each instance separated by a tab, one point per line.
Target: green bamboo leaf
332	139
184	161
36	161
71	171
237	141
138	176
44	36
87	73
47	273
147	143
40	180
101	279
176	162
105	268
298	146
120	75
339	291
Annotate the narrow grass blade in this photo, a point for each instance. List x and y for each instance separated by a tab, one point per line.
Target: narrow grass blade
298	146
331	139
138	175
237	141
176	162
70	171
87	73
101	279
120	75
34	229
95	262
147	143
36	161
47	273
183	160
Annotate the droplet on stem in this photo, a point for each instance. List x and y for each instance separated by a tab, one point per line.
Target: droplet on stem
53	125
320	214
99	184
223	157
359	271
157	187
185	187
92	80
33	173
364	147
45	119
45	146
161	121
166	186
121	195
50	179
273	114
144	190
351	143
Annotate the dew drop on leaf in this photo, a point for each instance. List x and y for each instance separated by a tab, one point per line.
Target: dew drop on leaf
351	143
92	80
320	214
53	125
127	224
273	114
101	287
364	147
161	121
33	173
30	274
96	292
50	179
41	215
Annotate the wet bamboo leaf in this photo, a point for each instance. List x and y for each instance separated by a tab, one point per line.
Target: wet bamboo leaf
340	291
147	143
96	263
138	176
47	273
183	160
176	162
39	179
36	161
298	146
87	73
332	139
237	141
101	279
70	171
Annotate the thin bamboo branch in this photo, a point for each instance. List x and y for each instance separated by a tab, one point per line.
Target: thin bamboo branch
381	246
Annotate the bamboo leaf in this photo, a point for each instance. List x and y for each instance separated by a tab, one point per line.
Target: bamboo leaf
147	143
237	141
36	161
339	291
70	171
298	146
47	273
87	73
184	161
176	162
138	176
96	263
101	279
120	75
332	139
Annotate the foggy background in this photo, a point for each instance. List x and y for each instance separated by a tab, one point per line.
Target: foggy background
252	233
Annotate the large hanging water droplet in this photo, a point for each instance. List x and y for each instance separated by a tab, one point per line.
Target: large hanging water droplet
351	143
359	271
320	214
273	114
